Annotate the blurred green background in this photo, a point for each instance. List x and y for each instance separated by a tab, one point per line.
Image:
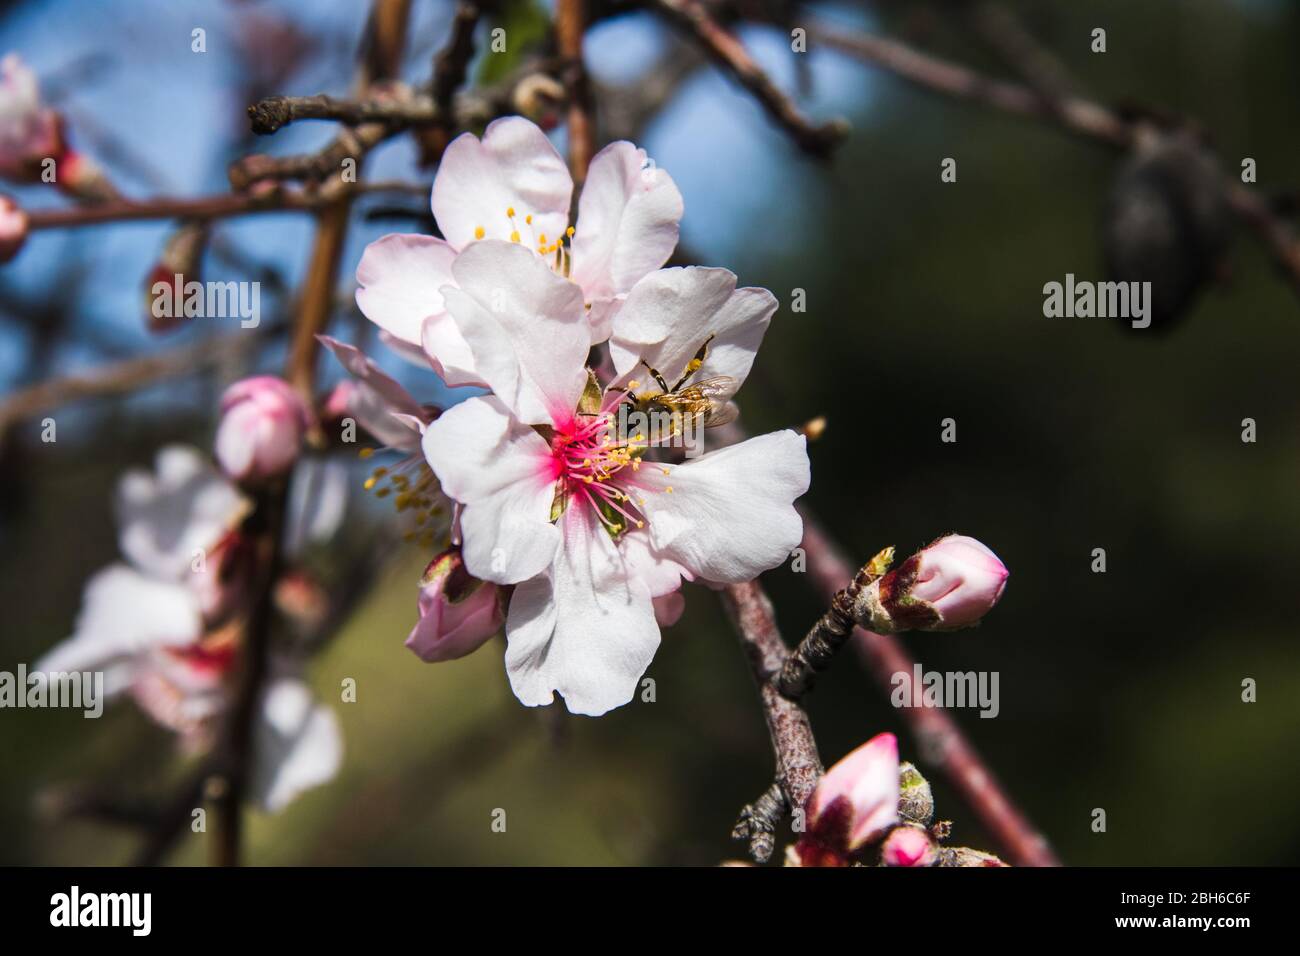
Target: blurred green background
1119	690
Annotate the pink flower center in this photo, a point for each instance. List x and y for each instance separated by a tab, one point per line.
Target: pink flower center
594	464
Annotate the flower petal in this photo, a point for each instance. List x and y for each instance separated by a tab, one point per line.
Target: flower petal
503	473
671	313
399	277
525	327
514	166
124	615
166	519
583	628
730	514
627	225
298	745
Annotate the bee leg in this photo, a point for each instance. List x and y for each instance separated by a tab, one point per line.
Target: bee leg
659	379
694	364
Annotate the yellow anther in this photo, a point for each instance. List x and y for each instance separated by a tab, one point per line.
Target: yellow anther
569	232
665	471
365	453
542	239
382	493
514	236
669	489
634	384
479	232
380	471
640	524
529	219
693	365
510	212
369	482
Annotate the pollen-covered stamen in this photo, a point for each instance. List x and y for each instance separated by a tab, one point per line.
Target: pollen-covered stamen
413	487
597	465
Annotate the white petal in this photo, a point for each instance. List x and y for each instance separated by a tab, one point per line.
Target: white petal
166	518
660	575
627	225
730	515
318	501
583	628
503	473
525	327
514	166
669	314
124	615
399	276
297	744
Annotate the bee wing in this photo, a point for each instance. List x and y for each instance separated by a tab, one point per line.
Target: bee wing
721	415
718	388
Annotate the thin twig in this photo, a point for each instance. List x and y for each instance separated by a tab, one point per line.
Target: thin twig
730	53
203	208
1079	116
570	25
121	378
798	765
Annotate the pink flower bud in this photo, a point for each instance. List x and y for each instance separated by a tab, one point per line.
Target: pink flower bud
29	131
908	846
458	613
853	804
950	584
13	228
261	430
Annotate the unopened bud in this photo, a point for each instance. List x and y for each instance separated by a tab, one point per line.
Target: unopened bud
853	805
458	612
262	425
915	801
177	266
950	584
908	846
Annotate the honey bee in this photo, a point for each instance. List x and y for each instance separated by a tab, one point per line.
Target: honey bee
707	400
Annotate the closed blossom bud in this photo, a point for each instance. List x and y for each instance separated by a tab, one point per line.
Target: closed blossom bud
854	804
29	131
178	265
458	612
262	424
13	228
915	801
949	585
908	846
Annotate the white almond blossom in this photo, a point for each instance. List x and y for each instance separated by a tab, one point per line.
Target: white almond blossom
160	625
513	186
588	528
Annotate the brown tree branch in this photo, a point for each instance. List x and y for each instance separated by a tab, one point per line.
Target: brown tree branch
570	25
120	378
798	765
1072	114
723	47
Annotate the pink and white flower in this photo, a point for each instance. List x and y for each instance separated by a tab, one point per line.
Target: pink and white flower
159	625
588	528
512	185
